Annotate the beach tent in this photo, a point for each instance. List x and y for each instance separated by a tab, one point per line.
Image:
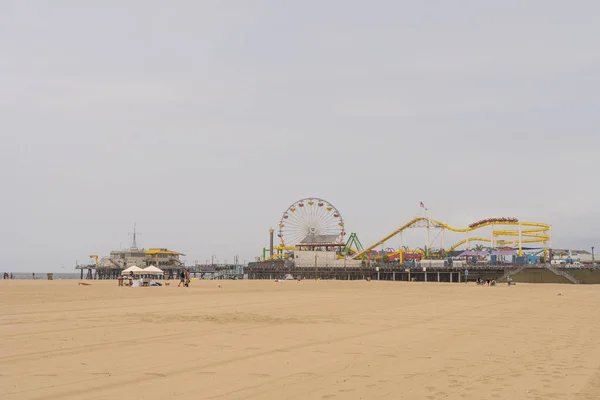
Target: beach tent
152	270
134	269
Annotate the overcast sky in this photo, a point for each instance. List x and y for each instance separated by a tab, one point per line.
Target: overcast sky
203	120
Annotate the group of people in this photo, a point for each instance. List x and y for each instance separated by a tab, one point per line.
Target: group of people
6	275
184	278
129	279
487	282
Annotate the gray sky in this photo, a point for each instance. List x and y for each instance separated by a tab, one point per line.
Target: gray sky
203	120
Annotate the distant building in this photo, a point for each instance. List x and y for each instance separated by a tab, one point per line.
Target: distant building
567	256
123	259
322	250
164	259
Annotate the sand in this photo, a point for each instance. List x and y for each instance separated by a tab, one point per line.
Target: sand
307	340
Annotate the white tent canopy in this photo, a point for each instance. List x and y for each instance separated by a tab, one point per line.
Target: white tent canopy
134	269
152	270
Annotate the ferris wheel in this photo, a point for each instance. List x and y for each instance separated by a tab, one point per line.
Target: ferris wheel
310	216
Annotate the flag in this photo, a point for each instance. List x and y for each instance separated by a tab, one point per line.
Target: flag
422	205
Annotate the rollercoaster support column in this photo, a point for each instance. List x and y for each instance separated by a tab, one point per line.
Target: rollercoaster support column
271	242
520	240
443	242
428	240
400	251
550	246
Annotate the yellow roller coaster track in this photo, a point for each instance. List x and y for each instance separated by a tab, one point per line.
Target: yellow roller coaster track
395	253
279	252
539	234
474	239
488	240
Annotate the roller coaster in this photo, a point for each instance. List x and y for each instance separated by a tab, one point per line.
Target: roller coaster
279	252
535	232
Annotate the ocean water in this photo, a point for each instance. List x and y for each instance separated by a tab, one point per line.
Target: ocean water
42	275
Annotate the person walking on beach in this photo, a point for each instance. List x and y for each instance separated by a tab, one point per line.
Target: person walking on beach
181	278
187	278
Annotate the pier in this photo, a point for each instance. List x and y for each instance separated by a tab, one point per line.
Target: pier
534	273
226	271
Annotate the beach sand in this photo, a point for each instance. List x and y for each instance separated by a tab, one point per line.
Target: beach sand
307	340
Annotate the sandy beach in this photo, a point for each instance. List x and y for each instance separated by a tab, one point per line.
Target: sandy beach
307	340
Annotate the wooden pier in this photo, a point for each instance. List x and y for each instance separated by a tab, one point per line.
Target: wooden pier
534	273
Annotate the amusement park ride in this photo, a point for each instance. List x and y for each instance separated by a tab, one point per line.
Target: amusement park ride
318	217
536	233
